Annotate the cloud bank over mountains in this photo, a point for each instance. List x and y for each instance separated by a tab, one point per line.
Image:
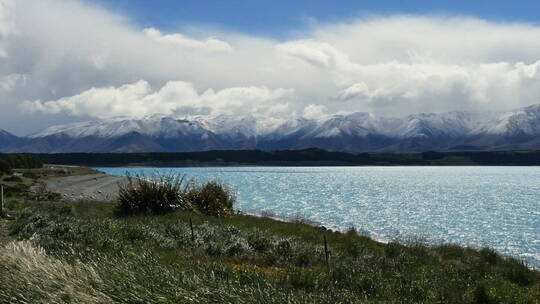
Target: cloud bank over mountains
174	98
68	60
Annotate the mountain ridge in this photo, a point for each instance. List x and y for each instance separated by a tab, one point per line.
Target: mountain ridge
7	139
355	132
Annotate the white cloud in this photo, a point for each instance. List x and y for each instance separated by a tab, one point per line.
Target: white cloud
7	24
358	90
10	82
138	99
209	44
320	54
448	40
315	112
81	61
422	84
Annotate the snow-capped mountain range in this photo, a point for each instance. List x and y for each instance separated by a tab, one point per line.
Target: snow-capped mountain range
357	132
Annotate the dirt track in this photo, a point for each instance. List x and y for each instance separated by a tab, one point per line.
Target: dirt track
96	187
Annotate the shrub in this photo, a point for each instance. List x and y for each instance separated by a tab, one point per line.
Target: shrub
518	273
211	198
354	248
259	242
162	194
481	295
13	179
489	256
451	251
151	196
42	194
30	174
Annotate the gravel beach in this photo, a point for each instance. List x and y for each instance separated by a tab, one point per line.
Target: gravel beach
96	187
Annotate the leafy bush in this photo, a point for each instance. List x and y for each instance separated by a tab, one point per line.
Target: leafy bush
211	198
151	196
489	256
13	179
162	194
41	193
30	174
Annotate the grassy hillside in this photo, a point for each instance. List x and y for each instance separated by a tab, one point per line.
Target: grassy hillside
79	252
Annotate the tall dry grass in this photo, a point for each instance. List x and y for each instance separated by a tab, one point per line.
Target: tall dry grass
29	275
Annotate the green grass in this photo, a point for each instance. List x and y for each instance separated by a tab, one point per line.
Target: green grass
81	252
53	171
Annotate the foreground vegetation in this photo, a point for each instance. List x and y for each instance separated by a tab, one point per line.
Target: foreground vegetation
81	252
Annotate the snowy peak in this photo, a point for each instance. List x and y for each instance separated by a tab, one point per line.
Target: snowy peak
153	126
524	121
287	128
356	124
356	132
452	124
228	125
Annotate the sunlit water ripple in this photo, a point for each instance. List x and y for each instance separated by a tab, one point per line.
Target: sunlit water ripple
497	207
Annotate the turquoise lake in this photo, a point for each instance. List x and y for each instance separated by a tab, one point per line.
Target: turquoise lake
498	207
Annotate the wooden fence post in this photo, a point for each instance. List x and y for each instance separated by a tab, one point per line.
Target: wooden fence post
192	232
2	200
326	254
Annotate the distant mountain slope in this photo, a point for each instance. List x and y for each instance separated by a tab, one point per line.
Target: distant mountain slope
7	139
356	132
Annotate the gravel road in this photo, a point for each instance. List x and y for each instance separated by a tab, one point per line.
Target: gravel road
96	187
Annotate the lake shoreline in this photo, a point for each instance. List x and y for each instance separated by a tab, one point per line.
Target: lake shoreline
445	205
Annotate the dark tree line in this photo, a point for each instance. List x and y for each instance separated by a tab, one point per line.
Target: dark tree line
18	161
305	157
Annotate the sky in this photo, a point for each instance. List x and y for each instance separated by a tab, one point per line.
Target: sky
277	18
64	61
